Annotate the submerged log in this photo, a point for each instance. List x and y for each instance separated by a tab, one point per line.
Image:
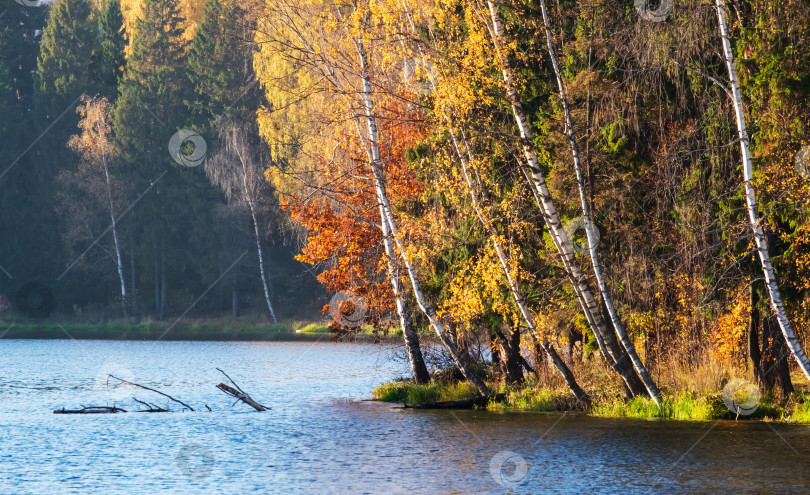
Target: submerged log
471	403
90	410
239	394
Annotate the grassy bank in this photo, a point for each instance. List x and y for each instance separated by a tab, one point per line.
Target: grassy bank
206	330
683	406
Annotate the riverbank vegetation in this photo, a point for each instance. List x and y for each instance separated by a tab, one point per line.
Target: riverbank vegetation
609	200
532	397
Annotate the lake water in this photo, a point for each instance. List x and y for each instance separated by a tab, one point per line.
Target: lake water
321	437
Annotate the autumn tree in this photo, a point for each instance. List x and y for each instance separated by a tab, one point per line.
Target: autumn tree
238	170
91	191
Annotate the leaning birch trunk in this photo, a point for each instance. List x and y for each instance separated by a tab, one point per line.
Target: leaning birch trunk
570	380
513	287
751	202
388	217
261	265
418	367
258	242
604	336
118	259
649	383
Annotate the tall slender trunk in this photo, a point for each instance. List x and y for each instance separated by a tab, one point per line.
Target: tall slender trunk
261	262
649	383
162	283
132	293
605	337
119	262
750	196
418	367
382	196
517	295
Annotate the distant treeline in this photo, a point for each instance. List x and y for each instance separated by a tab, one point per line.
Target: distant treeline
133	205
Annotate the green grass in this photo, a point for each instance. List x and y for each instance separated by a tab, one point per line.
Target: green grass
412	394
533	399
682	407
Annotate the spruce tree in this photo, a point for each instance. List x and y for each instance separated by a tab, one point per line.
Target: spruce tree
63	67
220	67
108	59
175	212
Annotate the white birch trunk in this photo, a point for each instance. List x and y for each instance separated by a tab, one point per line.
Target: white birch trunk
562	242
418	367
247	191
750	196
516	294
649	383
513	287
261	262
385	206
118	260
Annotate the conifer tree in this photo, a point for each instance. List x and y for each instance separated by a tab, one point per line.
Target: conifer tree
108	59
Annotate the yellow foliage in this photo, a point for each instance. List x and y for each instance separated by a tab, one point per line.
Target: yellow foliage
729	336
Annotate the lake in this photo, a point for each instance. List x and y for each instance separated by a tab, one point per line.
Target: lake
322	437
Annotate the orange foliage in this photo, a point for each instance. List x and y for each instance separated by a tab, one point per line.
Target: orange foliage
343	231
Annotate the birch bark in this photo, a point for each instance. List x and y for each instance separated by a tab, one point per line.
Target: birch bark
382	196
751	202
605	337
649	383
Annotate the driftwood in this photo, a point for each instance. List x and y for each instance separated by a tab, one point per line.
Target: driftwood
239	394
90	410
155	391
481	401
149	407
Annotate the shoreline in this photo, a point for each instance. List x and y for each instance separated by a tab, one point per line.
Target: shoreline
678	406
188	331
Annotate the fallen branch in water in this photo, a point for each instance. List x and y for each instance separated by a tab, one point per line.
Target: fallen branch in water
150	407
153	390
239	393
90	410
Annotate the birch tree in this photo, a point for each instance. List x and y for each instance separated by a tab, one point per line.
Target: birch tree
387	216
298	125
605	337
237	171
96	150
332	39
751	201
649	383
464	154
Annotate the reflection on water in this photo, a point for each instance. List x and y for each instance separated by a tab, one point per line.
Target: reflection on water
320	437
